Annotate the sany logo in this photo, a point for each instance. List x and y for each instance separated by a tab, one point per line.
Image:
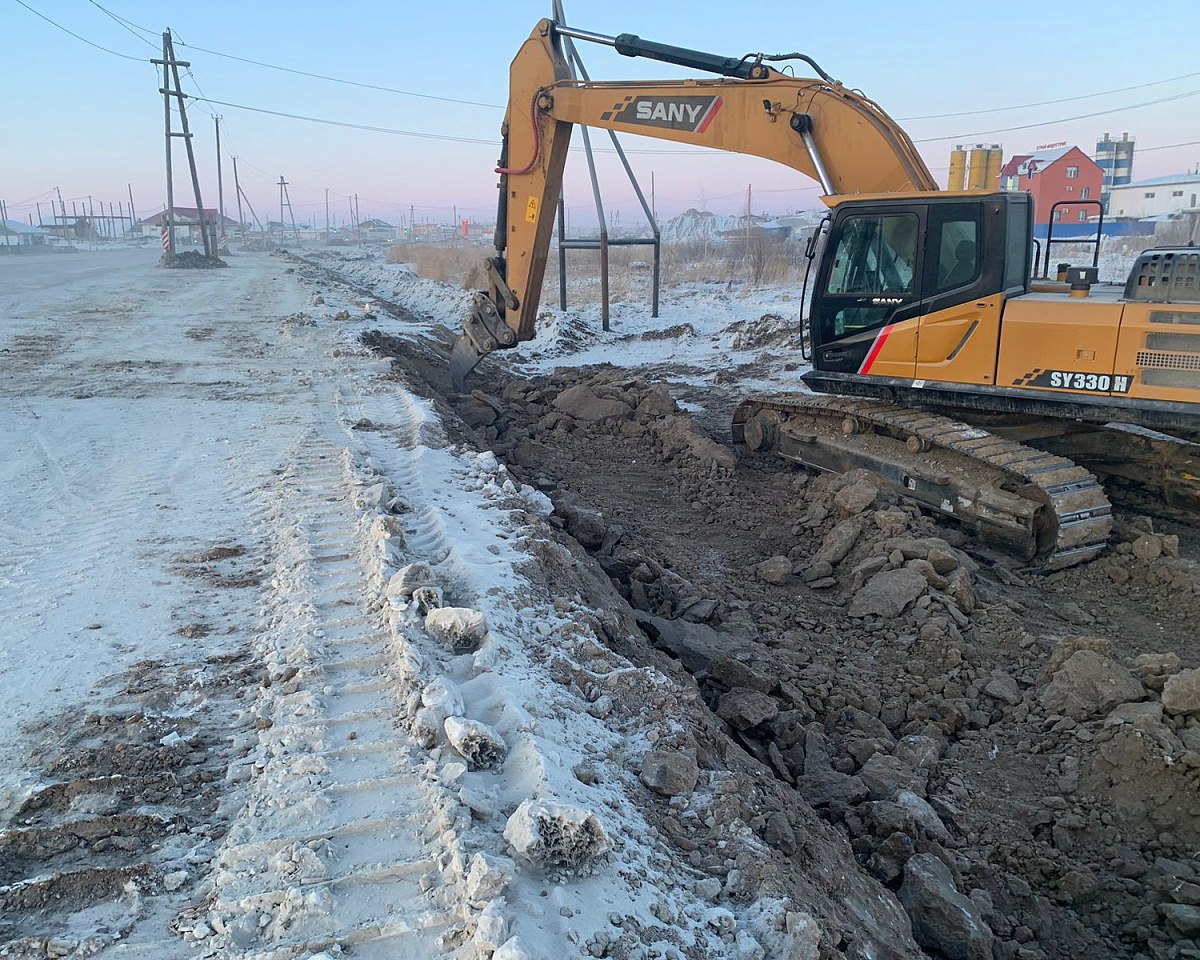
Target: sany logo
673	112
690	113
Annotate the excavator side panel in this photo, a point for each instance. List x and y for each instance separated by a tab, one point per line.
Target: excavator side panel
1060	345
1159	351
958	344
893	351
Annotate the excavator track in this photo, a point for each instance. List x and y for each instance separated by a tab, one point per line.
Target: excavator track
1043	508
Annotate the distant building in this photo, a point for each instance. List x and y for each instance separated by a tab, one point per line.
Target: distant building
14	233
1161	196
1115	160
186	223
1060	173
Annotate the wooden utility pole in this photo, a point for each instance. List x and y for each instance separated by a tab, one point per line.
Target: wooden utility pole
220	190
237	188
173	88
327	215
132	212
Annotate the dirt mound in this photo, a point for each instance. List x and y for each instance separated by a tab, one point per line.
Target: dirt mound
900	680
190	260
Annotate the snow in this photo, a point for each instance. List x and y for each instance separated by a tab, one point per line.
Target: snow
183	447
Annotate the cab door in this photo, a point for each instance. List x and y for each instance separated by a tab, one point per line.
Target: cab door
867	302
963	283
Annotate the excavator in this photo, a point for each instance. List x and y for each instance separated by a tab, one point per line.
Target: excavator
937	360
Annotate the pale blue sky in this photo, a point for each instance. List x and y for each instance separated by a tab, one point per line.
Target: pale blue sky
90	122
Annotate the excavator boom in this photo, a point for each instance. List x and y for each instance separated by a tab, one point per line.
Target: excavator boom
818	127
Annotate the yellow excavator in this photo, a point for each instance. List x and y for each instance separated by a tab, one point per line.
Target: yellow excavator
936	360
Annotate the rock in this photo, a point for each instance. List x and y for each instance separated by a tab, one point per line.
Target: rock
1147	547
943	920
823	787
582	403
1181	694
855	498
918	750
1004	688
743	708
923	815
696	645
776	570
1067	647
889	858
943	561
887	594
669	772
1135	713
480	745
488	876
407	579
584	523
732	673
459	628
817	571
657	402
1183	917
891	523
491	930
885	777
779	833
174	880
679	434
549	833
1156	665
512	949
1090	684
803	940
925	569
838	542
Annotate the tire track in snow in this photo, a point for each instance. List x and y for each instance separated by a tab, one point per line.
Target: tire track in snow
335	842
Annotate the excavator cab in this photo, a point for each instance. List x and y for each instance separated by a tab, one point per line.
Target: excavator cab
914	286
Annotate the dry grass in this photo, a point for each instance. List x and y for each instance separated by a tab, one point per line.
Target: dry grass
631	274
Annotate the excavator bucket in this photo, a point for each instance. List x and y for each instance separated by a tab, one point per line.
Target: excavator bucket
483	331
463	359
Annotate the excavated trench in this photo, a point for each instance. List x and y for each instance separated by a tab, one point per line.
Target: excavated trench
1017	757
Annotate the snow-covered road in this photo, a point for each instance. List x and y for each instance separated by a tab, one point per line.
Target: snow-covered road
209	494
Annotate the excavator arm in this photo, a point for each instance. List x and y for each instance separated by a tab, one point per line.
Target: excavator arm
831	134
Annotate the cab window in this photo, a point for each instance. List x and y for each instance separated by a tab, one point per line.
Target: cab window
875	255
958	254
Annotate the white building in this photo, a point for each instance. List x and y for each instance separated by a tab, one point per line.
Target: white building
1156	197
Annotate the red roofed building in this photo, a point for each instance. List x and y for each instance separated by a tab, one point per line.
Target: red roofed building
1059	173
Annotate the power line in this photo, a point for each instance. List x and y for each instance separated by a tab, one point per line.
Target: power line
53	23
1050	123
1044	103
121	23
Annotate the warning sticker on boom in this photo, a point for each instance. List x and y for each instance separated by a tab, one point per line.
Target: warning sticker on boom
1076	380
531	209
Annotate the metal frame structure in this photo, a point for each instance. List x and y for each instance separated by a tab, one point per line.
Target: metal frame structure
603	243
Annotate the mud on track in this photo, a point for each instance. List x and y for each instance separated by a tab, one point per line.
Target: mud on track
956	723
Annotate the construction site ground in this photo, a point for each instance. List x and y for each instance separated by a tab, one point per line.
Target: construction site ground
305	655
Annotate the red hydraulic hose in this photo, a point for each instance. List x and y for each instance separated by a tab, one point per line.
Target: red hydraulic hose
537	143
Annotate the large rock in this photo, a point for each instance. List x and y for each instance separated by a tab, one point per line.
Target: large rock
1090	684
838	542
823	787
582	403
1004	688
696	645
943	920
669	772
855	498
744	708
886	777
887	594
776	570
584	523
1181	694
548	833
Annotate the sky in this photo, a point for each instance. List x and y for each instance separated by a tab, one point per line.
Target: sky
89	122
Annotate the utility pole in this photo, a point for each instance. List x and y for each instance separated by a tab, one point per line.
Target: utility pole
132	213
237	187
748	186
220	191
286	201
326	215
171	73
